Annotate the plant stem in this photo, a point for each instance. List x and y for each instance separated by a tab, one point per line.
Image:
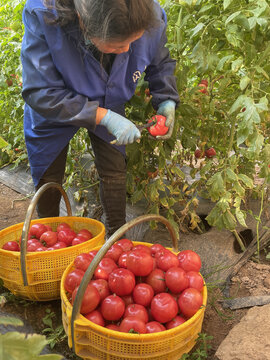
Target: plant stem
240	242
257	226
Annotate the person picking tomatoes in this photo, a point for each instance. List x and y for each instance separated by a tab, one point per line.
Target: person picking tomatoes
81	62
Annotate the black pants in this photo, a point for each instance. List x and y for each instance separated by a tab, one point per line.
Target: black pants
111	167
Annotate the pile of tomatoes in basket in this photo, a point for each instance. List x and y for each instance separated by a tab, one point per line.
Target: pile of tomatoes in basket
138	288
42	238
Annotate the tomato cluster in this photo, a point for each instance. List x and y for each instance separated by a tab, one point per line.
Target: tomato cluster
137	288
42	238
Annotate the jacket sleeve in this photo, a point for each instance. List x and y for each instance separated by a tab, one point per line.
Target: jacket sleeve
160	73
44	89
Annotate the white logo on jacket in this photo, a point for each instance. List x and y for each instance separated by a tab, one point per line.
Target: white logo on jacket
136	76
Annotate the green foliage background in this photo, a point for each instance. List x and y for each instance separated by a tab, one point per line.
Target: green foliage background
225	42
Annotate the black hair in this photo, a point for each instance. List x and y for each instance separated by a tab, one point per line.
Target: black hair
106	19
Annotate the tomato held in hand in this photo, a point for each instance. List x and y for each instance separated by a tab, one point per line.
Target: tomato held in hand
189	301
159	128
163	307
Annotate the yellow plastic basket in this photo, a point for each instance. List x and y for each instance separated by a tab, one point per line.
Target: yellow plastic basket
37	275
91	341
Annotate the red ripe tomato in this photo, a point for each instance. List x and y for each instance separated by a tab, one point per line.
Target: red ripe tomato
90	300
48	238
156	279
62	226
154	326
104	268
59	245
128	299
102	286
138	311
93	253
189	260
143	294
86	233
73	279
82	261
163	307
78	241
43	248
11	246
176	280
155	248
112	307
122	261
199	154
132	324
36	230
121	281
96	317
142	247
33	247
112	327
178	320
114	252
195	280
125	244
140	262
190	301
211	152
48	228
66	236
33	241
159	128
166	259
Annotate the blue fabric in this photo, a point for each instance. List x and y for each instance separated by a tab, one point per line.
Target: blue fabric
63	84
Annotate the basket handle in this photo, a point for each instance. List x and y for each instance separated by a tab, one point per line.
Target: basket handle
94	263
28	218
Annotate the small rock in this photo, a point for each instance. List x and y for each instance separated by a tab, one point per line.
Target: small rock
266	282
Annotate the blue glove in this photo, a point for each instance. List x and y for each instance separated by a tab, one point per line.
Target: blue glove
167	109
120	127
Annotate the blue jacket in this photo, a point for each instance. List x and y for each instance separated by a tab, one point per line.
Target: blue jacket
63	83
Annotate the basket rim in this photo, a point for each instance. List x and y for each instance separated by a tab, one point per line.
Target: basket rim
82	321
34	254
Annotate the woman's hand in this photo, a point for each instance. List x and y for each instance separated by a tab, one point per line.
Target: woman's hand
167	109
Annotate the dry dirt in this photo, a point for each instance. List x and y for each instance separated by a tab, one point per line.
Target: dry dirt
251	280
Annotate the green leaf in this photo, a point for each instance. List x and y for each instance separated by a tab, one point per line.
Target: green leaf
223	61
244	82
231	175
3	143
197	29
252	22
227	3
238	104
240	216
248	182
8	320
175	170
231	17
237	64
229	220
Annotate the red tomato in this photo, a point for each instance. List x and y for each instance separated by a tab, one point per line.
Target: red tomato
93	253
122	261
36	230
102	286
33	241
112	327
96	317
125	244
142	247
62	226
211	152
114	252
86	233
43	248
48	228
82	261
138	311
121	281
157	280
132	324
33	247
155	248
176	280
112	307
189	260
66	236
90	300
128	299
73	279
154	326
199	154
48	238
59	245
163	307
159	128
189	301
140	262
195	280
143	294
166	259
11	246
178	320
78	241
104	268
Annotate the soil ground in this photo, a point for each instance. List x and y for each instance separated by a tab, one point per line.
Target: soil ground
251	280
